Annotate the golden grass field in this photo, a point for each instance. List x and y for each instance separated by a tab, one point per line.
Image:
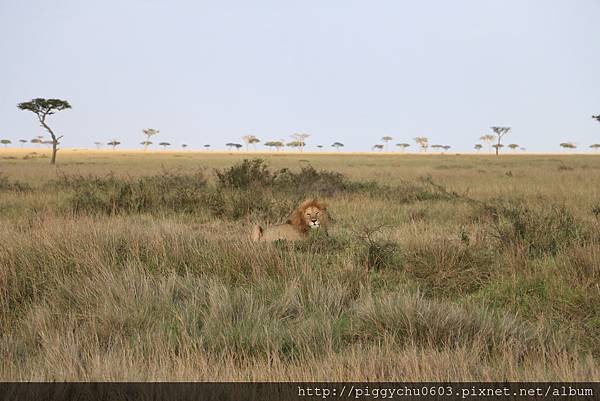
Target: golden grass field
138	266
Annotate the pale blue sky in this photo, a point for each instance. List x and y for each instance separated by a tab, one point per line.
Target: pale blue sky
349	71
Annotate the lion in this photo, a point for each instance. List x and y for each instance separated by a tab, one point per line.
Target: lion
311	214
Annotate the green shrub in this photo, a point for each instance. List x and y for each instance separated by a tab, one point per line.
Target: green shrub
537	231
111	195
245	174
374	253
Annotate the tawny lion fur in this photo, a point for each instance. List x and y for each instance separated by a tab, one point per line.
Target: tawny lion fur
310	214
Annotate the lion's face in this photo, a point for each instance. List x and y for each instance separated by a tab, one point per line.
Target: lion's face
310	214
312	217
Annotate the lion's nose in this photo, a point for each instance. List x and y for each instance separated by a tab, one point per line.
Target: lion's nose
314	220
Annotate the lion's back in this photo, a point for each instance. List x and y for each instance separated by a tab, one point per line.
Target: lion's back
278	232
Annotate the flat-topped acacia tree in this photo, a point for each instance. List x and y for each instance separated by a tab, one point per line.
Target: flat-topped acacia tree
43	108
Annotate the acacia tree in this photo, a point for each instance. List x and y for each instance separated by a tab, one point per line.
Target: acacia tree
386	139
5	142
149	132
164	145
297	144
250	140
595	146
597	117
446	147
513	146
299	141
489	139
23	142
478	146
36	141
320	147
278	145
114	143
379	147
43	108
568	145
337	145
98	145
184	145
206	146
403	146
423	142
500	132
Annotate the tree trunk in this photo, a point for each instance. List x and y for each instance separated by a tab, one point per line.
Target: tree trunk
54	140
54	150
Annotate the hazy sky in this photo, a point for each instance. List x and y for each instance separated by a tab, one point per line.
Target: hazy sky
350	71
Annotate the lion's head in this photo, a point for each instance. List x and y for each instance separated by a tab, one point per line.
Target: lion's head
310	214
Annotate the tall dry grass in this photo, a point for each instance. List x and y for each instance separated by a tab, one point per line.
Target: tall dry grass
144	277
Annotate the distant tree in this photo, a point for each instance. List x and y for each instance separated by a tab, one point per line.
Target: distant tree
230	145
497	146
5	142
23	141
378	147
320	147
500	132
296	144
337	145
423	142
568	145
149	132
436	146
36	141
278	145
237	146
184	146
478	146
489	139
250	140
206	146
595	146
164	145
403	146
446	147
98	145
43	108
299	140
114	143
513	146
597	117
386	139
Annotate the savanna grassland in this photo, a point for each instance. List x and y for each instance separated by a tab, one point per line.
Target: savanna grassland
138	266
